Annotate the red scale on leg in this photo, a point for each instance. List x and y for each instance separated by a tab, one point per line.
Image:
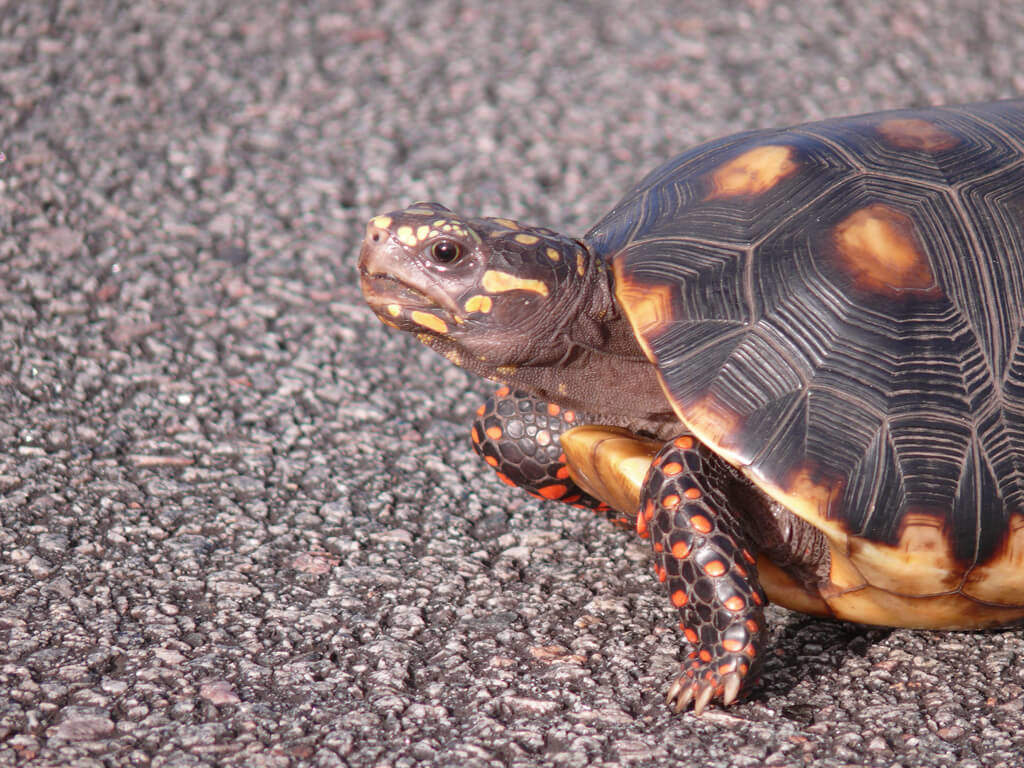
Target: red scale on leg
711	576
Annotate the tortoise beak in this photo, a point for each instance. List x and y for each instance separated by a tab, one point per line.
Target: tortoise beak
389	275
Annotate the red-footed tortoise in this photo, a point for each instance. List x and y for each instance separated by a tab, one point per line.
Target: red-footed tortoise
793	358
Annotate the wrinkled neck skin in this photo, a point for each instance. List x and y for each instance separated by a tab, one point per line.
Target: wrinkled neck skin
582	354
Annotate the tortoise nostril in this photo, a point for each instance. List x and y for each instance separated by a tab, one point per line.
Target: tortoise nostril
375	236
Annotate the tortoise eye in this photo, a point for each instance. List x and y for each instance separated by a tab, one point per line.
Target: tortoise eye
445	251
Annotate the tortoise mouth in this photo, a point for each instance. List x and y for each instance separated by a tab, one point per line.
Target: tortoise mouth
384	290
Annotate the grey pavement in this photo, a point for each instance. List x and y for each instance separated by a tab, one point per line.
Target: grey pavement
240	520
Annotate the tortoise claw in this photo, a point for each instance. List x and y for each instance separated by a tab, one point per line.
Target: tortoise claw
702	699
731	687
701	691
680	695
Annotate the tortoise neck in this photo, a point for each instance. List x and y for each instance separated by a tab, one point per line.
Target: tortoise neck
602	371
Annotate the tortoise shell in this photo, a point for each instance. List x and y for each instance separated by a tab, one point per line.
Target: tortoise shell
837	310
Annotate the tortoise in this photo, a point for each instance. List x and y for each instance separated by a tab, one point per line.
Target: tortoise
793	359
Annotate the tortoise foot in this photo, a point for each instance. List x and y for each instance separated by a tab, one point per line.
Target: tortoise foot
703	682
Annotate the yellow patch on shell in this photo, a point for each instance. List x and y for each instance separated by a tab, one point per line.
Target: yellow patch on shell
553	254
495	281
754	172
394	310
878	247
427	320
872	605
920	563
478	303
712	423
406	236
914	133
526	239
1001	579
384	222
648	307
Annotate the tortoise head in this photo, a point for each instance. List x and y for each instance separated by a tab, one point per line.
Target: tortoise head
489	294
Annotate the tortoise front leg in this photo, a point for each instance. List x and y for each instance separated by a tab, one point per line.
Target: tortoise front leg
519	436
703	554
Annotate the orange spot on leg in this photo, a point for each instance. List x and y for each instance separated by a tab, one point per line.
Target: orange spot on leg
680	549
553	491
701	523
715	568
735	603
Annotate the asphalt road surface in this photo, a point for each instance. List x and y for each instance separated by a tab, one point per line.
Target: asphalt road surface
240	520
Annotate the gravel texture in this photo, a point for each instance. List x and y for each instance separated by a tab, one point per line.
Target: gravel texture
240	521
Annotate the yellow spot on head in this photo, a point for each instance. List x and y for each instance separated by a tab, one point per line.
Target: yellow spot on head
500	282
406	236
394	310
526	239
553	254
754	172
579	263
507	223
381	221
430	321
422	232
478	303
914	133
878	248
420	211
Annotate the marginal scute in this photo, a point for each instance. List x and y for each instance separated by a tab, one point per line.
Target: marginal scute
1001	579
712	423
920	563
880	250
914	133
754	172
872	605
648	307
